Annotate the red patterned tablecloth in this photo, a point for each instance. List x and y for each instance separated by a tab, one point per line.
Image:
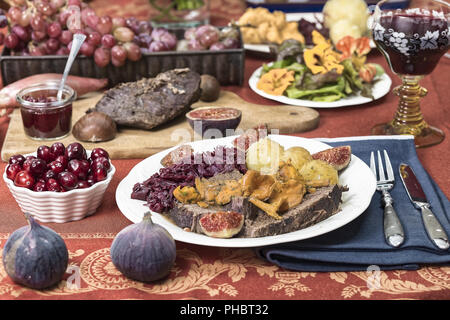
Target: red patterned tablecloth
203	272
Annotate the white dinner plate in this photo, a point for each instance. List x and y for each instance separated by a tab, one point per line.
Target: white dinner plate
295	16
357	176
380	89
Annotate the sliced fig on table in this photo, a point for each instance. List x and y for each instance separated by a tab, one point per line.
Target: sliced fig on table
338	157
222	224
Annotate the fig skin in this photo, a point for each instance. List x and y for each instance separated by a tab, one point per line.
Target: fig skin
210	88
338	157
95	126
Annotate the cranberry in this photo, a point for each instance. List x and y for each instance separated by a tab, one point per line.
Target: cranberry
101	161
56	166
17	158
50	174
67	180
38	167
45	153
99	173
12	170
53	185
99	152
40	186
75	151
58	149
82	184
27	163
90	180
24	179
63	159
78	168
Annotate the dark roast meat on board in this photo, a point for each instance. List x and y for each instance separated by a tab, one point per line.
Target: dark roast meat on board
150	102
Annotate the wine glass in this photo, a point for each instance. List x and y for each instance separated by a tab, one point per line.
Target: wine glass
412	41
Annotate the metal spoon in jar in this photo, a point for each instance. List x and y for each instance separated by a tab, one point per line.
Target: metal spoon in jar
77	41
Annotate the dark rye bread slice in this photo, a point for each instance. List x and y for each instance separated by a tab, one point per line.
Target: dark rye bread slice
314	208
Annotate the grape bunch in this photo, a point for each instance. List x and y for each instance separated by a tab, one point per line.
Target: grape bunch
46	27
208	37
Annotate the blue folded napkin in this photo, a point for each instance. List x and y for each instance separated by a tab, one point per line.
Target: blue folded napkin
361	243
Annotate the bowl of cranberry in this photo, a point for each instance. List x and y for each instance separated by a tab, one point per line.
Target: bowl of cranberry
59	183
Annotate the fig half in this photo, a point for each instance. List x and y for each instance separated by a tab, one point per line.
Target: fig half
338	157
214	121
222	224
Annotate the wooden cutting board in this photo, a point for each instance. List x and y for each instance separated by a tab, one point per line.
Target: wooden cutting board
135	143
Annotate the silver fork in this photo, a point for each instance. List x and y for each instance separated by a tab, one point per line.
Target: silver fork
393	230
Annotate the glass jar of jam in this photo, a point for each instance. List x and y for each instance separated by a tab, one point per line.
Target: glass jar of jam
45	117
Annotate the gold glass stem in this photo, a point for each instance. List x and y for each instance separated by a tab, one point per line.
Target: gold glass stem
408	118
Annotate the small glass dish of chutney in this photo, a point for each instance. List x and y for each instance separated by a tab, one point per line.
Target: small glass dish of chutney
45	117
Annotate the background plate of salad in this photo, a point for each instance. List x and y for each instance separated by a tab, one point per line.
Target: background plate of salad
312	97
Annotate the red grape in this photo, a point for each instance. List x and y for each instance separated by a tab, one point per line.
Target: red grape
43	7
117	63
94	38
54	30
2	38
133	24
145	27
133	51
52	45
85	13
37	22
38	36
11	41
63	16
20	32
118	53
217	46
63	51
207	35
92	21
102	57
108	41
66	37
105	24
14	14
87	49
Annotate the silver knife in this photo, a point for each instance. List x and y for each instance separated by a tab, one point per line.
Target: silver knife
415	192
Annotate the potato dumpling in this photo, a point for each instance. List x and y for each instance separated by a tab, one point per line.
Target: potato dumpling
318	173
344	28
264	156
354	11
298	156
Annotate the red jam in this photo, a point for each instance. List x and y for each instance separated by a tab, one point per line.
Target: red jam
43	116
